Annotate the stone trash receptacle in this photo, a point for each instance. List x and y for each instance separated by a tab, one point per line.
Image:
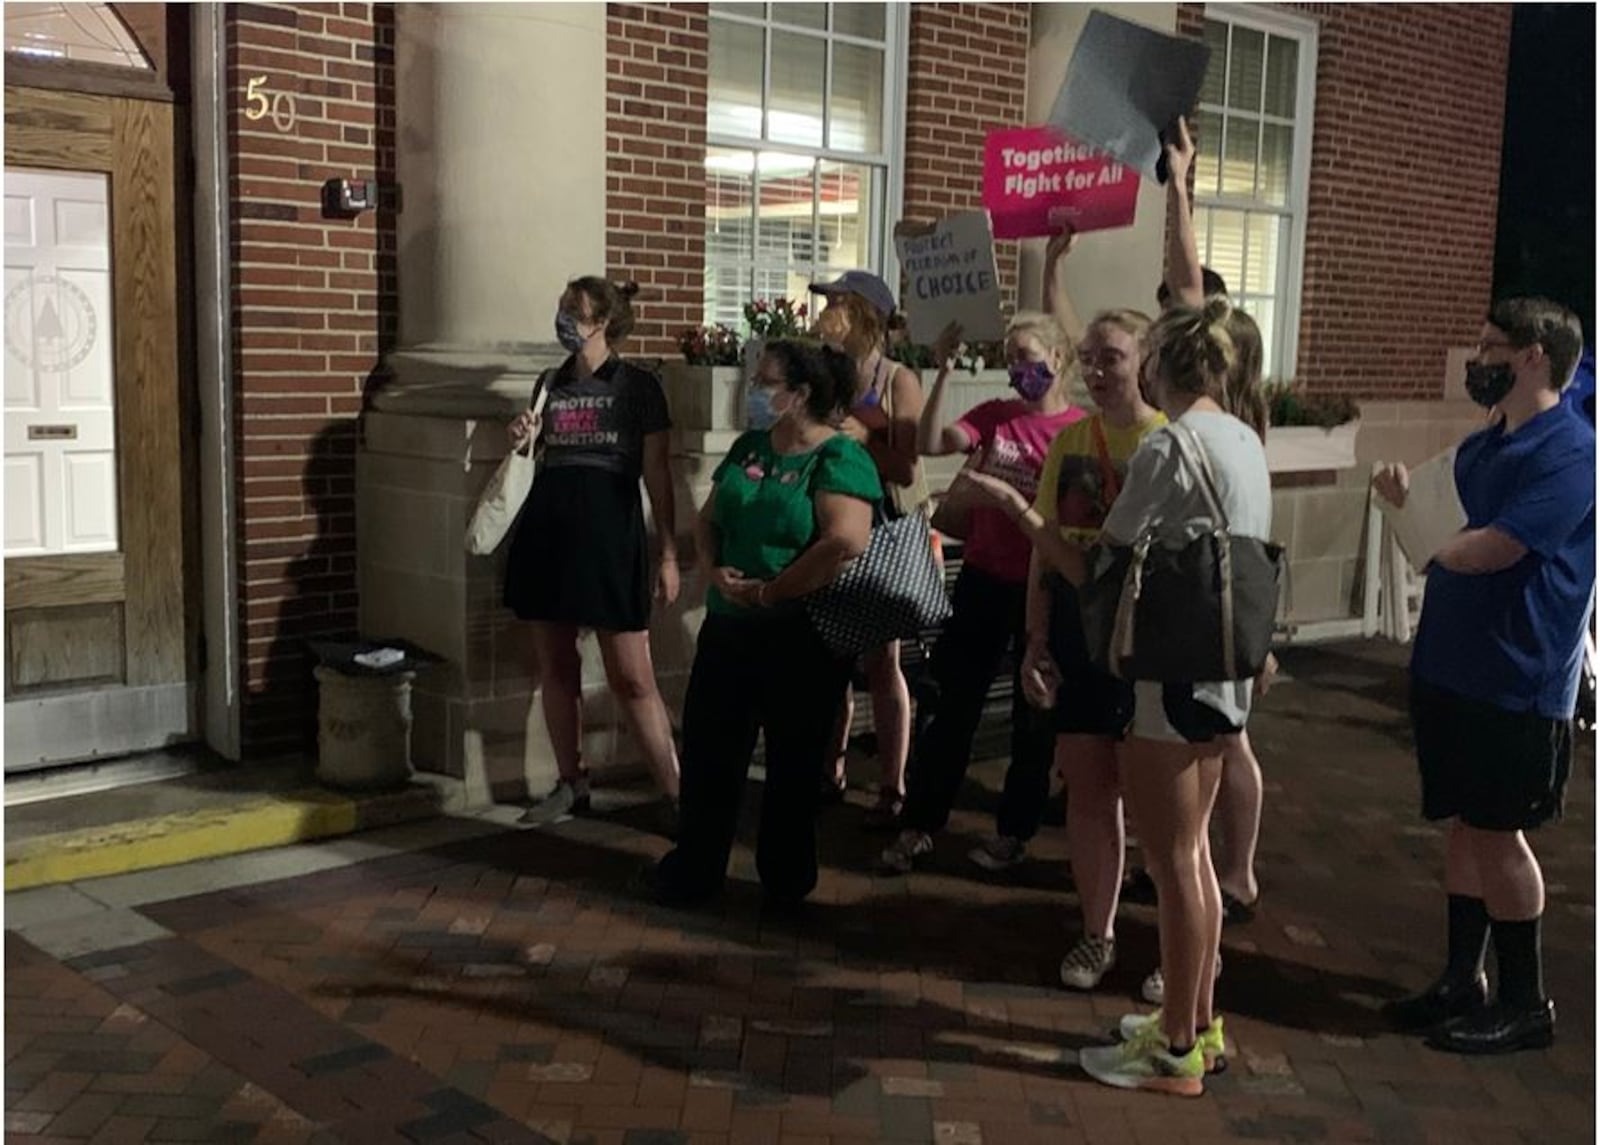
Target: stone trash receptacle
364	715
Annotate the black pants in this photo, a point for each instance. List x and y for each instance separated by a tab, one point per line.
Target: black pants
987	617
766	672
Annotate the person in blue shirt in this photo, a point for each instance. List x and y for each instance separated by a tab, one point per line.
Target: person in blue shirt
1494	673
1579	396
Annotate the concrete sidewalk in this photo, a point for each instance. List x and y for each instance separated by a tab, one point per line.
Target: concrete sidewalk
464	980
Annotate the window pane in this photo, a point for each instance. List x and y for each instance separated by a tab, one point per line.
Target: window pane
1239	158
61	493
752	11
1265	312
801	15
89	32
727	290
1277	159
784	236
864	20
1282	60
848	202
1208	152
1217	41
1261	255
855	115
730	236
729	190
733	97
798	75
1223	244
1245	66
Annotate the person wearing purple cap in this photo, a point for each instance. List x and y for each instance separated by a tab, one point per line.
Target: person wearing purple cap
884	418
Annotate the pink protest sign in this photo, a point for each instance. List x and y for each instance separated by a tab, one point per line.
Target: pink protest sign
1036	180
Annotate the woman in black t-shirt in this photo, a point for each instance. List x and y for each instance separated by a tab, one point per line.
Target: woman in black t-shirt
578	559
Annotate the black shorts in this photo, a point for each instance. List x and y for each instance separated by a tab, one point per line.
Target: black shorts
1493	769
1172	713
1089	702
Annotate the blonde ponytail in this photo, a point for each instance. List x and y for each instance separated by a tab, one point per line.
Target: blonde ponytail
1194	351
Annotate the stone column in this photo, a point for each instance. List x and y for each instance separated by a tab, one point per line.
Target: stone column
501	160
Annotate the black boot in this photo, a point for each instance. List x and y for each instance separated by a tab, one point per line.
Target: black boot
1446	999
1500	1029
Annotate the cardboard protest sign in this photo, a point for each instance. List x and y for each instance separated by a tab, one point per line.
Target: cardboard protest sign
1035	181
950	277
1432	515
1125	84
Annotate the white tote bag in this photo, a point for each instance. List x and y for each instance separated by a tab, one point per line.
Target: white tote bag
503	496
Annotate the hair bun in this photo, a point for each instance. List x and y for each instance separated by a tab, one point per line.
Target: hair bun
627	289
1216	309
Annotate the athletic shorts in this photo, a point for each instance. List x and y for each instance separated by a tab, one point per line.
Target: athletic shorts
1491	768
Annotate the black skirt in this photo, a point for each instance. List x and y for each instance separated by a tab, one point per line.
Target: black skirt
578	554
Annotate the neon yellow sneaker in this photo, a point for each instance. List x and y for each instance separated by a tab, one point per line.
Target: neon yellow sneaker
1146	1062
1211	1042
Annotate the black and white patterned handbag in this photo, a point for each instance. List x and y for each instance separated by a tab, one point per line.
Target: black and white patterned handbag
893	591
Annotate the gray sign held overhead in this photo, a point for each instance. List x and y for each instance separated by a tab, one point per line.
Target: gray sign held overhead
1125	84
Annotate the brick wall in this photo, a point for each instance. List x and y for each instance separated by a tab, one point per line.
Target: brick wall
656	62
313	307
968	75
1405	175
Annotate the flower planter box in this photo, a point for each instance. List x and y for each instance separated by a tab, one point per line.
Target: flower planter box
1309	448
704	398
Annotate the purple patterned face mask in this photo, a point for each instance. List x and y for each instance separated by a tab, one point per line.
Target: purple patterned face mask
1031	380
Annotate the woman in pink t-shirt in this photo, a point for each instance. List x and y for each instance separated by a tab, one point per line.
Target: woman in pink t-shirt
1009	439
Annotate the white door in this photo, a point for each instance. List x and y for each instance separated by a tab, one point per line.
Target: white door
60	437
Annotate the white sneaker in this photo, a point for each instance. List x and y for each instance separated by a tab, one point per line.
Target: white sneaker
1000	853
901	855
1154	989
567	799
1088	962
1147	1062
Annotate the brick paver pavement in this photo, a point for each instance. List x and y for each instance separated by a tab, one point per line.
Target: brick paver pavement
511	988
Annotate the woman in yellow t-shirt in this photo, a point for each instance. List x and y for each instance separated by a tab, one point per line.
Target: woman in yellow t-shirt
1083	472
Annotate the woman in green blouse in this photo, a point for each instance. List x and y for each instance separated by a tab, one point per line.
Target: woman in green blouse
789	507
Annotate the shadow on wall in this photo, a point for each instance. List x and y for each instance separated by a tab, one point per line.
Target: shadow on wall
281	712
281	705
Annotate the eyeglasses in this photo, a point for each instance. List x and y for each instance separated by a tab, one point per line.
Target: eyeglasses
1485	344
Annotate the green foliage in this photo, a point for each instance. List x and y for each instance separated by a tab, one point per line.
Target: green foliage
1288	404
710	346
971	357
773	318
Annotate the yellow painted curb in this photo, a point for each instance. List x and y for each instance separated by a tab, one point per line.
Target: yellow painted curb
166	840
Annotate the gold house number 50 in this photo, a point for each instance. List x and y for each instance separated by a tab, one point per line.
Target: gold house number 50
280	104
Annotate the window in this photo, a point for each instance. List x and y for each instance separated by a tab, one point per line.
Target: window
1253	164
801	134
60	438
88	32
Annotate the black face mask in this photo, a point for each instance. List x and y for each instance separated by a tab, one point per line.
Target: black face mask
1488	385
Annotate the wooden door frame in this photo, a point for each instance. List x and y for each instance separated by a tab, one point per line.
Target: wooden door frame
133	142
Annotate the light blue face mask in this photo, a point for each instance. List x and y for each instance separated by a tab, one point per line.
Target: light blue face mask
758	411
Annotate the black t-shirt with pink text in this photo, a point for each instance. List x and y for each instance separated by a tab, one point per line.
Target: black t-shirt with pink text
601	421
